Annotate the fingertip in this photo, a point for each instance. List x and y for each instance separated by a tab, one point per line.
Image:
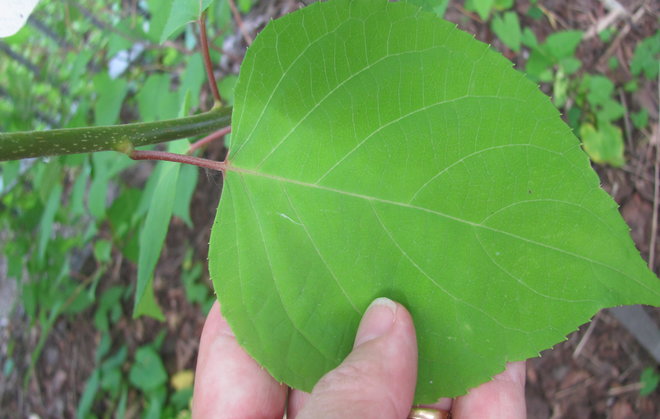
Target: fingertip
228	382
378	377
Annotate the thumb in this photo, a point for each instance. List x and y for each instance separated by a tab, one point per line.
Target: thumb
377	379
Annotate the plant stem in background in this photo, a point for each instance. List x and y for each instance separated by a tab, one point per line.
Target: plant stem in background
209	138
239	22
123	138
656	198
207	58
177	158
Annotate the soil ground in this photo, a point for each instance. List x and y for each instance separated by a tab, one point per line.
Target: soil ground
594	374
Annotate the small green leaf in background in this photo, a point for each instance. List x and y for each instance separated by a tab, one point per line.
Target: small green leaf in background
482	7
650	380
600	90
604	145
148	371
610	110
570	65
563	44
182	12
108	309
458	192
528	38
613	63
606	34
640	119
507	28
102	249
111	372
646	58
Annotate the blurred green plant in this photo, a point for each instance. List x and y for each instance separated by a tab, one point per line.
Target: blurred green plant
650	380
64	220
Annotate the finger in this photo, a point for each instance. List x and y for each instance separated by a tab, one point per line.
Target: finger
297	399
377	379
502	397
228	382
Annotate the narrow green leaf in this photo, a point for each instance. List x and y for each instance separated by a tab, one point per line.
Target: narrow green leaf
160	13
154	231
88	395
47	218
111	94
156	101
185	189
192	79
152	235
105	166
379	151
9	172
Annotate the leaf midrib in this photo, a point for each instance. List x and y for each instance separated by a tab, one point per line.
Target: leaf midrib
249	172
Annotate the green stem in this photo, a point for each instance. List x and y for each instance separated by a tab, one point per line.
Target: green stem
123	138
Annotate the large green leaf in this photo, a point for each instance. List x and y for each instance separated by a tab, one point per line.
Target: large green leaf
379	151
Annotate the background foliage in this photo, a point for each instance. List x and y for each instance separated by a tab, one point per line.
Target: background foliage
70	227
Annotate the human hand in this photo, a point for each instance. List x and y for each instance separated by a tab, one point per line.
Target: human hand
376	380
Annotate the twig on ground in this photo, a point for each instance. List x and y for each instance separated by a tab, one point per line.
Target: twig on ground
553	19
585	338
622	34
626	119
468	13
656	198
617	391
617	11
239	22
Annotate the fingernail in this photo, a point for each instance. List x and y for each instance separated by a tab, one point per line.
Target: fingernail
377	320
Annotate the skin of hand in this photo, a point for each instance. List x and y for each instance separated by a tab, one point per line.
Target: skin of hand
376	380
